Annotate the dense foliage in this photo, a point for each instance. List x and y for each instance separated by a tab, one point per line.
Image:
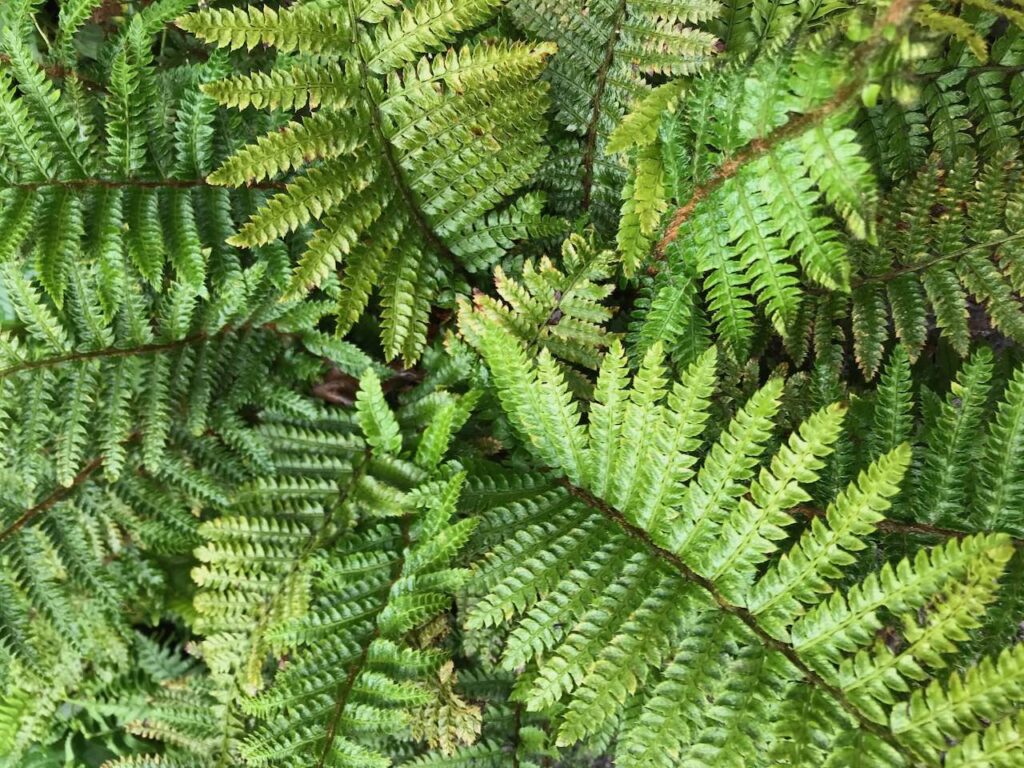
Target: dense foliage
527	383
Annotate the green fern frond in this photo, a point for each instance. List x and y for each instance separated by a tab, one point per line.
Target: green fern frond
610	53
269	572
547	308
591	666
636	499
421	149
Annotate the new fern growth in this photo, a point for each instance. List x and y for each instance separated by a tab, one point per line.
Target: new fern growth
519	384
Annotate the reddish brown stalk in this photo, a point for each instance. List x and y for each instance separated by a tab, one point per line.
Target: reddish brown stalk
905	528
739	612
590	140
143	349
58	494
897	15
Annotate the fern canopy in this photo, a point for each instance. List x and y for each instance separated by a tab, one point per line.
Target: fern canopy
511	383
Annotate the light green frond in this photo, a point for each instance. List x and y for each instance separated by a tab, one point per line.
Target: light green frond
309	28
303	85
729	466
803	573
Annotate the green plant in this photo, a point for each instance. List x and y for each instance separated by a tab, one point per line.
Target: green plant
725	466
410	153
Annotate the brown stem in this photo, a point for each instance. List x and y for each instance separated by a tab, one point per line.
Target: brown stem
739	612
517	724
58	495
590	140
394	168
911	268
345	686
341	699
344	689
755	150
91	467
316	539
143	349
908	269
906	528
896	15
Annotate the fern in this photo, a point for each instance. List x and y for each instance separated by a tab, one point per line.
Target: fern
701	539
560	312
135	344
780	178
363	518
468	383
414	145
609	54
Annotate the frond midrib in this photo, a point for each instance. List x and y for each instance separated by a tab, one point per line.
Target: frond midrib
644	539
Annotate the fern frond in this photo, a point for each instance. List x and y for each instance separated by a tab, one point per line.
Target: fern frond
307	28
547	308
608	55
710	527
420	147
